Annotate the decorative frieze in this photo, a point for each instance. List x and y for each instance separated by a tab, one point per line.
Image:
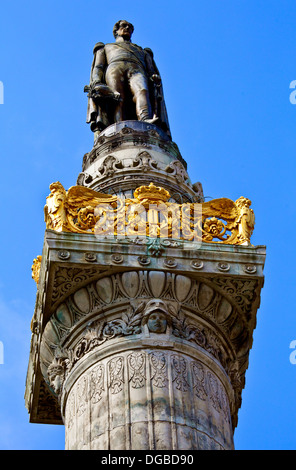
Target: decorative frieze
131	134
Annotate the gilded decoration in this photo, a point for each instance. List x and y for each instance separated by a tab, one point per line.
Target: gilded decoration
36	268
150	213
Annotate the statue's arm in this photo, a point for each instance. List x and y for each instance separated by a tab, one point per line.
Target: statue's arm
99	64
152	70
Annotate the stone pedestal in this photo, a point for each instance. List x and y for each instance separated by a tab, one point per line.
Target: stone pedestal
129	154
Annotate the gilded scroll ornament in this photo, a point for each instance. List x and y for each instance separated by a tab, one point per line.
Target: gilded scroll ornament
148	214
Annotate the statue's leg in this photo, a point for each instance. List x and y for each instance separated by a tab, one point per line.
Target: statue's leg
115	80
139	87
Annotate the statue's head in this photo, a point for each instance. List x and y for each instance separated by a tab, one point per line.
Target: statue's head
157	322
124	29
156	316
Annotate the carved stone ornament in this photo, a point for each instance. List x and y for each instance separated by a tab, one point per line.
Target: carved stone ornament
176	169
196	264
250	268
144	260
145	162
224	267
117	258
149	213
110	165
64	254
91	257
153	303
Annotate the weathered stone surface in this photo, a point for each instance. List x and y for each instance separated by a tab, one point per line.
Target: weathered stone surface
167	400
128	154
143	340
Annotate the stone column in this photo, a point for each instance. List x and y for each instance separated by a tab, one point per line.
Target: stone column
147	399
141	373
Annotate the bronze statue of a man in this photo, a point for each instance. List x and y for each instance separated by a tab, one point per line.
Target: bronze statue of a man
124	83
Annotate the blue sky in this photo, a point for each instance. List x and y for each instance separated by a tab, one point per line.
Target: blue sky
226	68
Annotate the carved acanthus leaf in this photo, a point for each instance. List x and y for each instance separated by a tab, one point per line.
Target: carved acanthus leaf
67	277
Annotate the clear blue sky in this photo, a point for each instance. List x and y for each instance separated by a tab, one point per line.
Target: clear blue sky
226	68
